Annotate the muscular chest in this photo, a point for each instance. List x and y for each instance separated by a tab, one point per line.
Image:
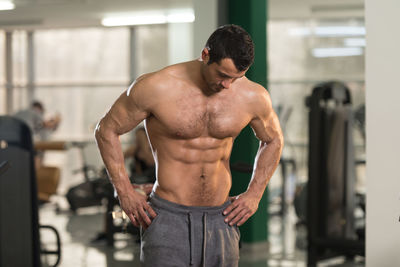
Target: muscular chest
194	116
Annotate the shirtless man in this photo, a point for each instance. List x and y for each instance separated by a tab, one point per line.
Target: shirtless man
193	112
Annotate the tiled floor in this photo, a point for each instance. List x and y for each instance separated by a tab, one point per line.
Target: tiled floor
77	231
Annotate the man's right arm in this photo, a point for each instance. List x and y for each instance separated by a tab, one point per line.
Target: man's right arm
127	112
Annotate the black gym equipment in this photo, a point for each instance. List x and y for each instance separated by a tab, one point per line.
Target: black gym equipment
330	190
4	166
94	188
19	223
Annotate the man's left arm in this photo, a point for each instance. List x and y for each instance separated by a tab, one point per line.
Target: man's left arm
266	127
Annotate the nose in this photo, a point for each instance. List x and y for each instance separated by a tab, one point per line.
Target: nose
226	83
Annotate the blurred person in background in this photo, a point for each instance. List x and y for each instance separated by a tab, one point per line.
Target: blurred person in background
34	117
47	176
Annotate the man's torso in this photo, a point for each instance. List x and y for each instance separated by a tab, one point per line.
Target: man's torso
192	136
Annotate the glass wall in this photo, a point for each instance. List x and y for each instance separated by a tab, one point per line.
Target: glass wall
78	74
301	54
81	72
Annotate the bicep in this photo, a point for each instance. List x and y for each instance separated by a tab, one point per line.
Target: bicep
265	122
125	114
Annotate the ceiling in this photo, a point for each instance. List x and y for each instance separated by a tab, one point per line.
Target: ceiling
83	13
77	13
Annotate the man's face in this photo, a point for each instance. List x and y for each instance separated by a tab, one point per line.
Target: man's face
221	75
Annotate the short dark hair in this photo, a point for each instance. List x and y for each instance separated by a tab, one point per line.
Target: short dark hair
37	104
231	41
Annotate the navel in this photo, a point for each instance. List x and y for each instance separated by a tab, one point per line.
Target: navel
202	175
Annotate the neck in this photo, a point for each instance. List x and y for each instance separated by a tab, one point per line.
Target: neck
203	85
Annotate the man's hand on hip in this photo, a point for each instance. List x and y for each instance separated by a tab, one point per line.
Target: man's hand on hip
241	209
135	205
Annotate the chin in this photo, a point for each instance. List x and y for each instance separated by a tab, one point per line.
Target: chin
217	88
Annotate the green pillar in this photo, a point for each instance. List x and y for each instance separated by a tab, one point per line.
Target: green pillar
252	16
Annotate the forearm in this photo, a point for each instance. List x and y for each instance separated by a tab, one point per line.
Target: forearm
266	162
246	204
111	153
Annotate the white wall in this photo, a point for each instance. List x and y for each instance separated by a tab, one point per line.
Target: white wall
383	132
206	13
180	42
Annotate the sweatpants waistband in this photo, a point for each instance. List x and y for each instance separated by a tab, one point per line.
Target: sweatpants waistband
159	202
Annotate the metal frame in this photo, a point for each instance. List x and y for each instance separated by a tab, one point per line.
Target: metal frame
321	244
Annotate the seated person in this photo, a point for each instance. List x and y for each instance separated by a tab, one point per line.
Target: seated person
47	176
34	117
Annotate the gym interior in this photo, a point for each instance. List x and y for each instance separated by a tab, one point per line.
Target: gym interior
333	86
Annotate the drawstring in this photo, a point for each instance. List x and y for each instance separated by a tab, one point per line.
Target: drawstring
204	237
191	237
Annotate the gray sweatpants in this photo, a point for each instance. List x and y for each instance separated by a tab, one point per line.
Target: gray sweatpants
188	236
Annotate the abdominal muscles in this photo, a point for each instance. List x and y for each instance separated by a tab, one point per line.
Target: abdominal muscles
194	172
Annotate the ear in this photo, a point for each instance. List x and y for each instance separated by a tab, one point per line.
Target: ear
205	55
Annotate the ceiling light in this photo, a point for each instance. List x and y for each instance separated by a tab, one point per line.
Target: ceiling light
180	18
329	31
146	19
337	52
359	42
339	31
6	5
134	20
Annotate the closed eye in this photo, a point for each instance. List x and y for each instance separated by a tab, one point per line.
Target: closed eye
223	75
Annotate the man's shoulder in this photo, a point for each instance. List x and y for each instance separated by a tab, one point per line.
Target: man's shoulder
166	78
257	98
152	88
253	90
